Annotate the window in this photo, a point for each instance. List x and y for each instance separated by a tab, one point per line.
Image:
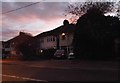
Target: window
53	38
48	39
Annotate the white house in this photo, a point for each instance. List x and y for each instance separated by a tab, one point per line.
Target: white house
58	38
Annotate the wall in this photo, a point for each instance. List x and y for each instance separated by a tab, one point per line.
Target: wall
46	43
67	41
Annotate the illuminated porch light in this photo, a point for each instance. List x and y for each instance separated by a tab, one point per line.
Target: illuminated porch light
41	51
63	34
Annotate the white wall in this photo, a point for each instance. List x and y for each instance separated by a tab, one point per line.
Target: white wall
67	41
47	44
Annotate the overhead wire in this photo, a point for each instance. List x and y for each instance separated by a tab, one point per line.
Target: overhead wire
20	8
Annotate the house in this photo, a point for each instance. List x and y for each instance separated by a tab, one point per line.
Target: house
58	38
12	45
49	41
3	50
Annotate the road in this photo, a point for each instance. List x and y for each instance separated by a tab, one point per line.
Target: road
59	70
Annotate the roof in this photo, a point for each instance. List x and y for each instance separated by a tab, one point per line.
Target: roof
22	37
66	29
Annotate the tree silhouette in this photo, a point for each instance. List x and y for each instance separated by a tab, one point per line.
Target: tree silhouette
118	9
78	9
95	34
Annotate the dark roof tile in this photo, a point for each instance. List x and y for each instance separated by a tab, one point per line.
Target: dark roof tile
68	29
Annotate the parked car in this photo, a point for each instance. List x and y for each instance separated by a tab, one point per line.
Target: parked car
60	54
71	56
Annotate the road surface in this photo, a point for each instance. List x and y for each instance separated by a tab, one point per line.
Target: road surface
59	70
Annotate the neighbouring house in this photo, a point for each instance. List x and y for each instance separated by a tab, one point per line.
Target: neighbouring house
58	38
12	45
4	51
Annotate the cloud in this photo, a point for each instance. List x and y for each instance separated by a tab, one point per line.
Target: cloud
37	18
8	34
43	10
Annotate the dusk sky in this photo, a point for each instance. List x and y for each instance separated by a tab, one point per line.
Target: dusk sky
34	19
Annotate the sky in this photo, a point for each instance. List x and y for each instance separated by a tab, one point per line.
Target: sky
35	19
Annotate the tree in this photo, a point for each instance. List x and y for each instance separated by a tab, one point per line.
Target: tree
78	9
28	49
95	33
118	9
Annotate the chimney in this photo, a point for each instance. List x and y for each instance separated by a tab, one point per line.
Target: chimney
21	33
65	22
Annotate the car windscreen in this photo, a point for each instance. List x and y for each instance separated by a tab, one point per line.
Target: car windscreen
59	51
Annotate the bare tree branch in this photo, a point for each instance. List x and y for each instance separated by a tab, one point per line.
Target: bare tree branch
78	9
